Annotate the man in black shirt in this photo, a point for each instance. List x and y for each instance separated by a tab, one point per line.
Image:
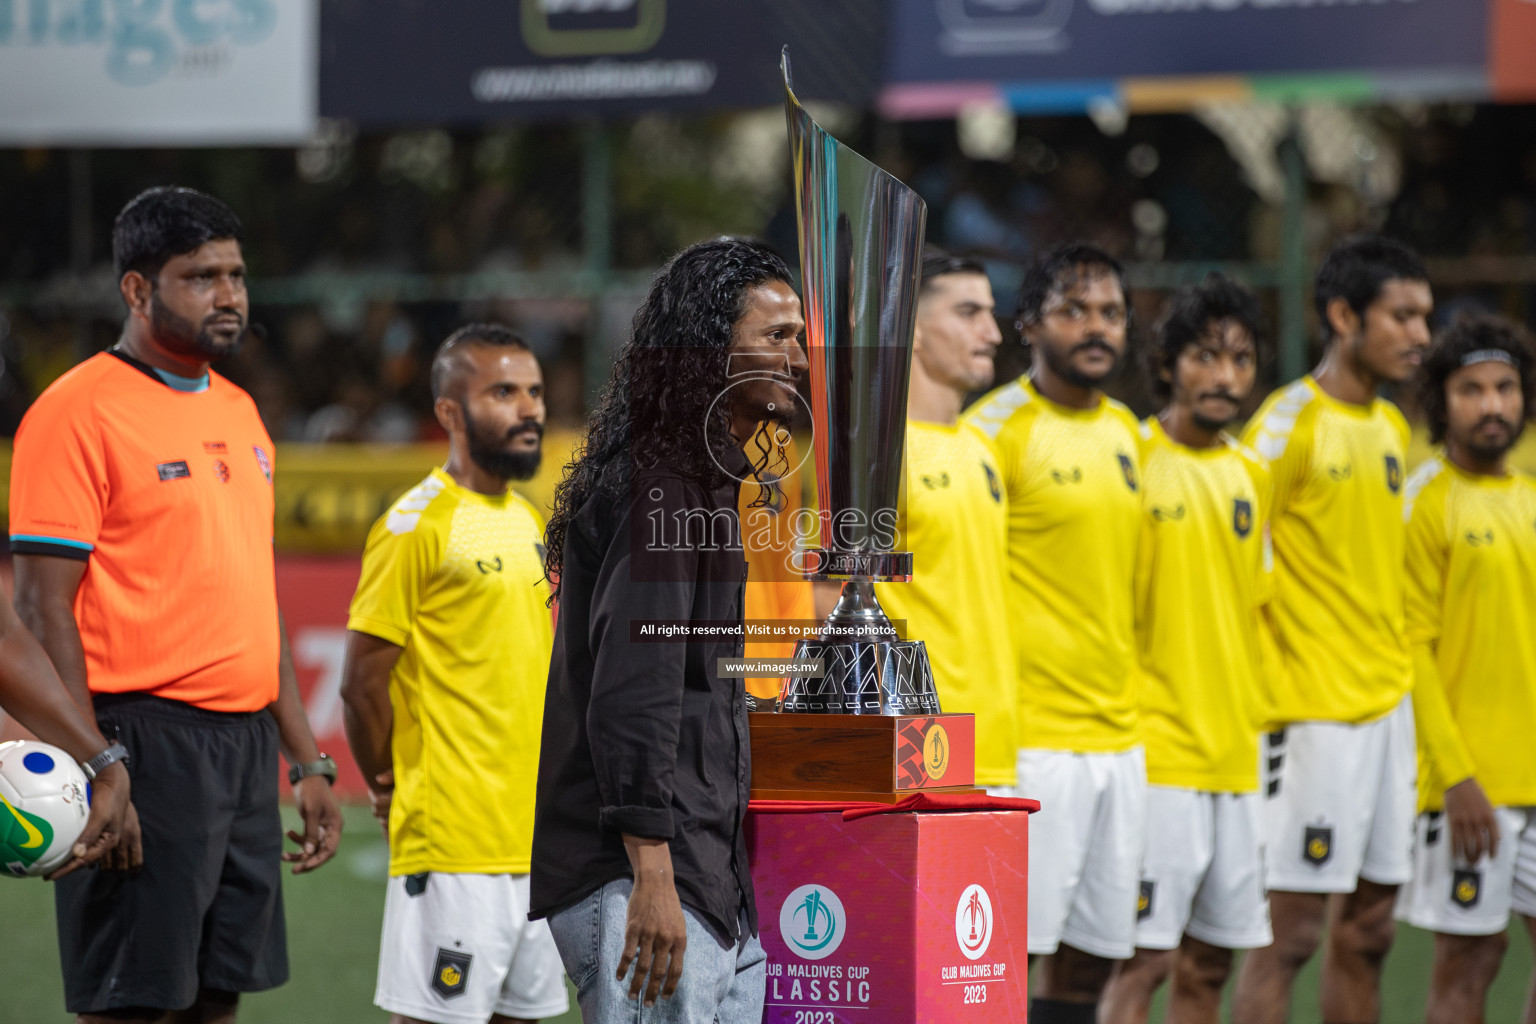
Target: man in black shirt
638	850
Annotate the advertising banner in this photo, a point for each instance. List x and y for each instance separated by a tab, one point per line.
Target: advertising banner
1065	54
466	61
158	72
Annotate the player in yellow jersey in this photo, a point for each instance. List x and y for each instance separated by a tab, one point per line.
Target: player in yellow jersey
953	518
447	658
1200	581
1071	478
1340	761
1471	596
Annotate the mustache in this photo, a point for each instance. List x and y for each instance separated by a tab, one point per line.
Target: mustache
1489	421
226	314
1229	396
526	425
1094	343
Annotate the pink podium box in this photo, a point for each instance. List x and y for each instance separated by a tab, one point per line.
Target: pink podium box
894	917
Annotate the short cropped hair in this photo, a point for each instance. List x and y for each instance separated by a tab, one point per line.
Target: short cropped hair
162	223
1469	334
939	262
446	364
1051	272
1355	270
1191	311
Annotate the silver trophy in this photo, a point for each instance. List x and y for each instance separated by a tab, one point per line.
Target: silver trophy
861	240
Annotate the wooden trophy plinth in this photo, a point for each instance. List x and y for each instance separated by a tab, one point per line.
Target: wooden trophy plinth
872	758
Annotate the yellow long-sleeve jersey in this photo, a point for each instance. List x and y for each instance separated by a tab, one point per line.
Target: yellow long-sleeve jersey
1337	531
1471	600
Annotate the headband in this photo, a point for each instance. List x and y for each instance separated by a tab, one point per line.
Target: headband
1489	355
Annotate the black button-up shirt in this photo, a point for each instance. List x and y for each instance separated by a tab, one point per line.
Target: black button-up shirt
643	737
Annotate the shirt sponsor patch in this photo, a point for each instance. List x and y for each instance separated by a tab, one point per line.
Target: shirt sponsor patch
173	470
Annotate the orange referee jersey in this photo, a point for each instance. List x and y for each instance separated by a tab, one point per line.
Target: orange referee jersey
166	495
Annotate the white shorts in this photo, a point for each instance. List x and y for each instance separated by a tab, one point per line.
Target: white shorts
1449	895
1202	874
458	948
1084	848
1342	800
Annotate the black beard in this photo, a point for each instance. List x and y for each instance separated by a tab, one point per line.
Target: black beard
1492	453
487	450
169	326
1062	367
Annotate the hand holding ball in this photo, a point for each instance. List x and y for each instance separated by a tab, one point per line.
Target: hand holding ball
44	804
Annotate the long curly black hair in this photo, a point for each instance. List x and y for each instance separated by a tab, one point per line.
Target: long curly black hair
659	406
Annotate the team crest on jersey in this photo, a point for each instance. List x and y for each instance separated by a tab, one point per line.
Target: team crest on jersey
992	485
1144	900
1466	887
451	972
1317	845
264	461
1242	517
1394	474
1128	470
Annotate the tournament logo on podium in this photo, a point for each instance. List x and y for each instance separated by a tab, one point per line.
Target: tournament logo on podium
812	922
973	922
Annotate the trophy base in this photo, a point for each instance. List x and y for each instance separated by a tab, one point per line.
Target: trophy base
861	758
878	677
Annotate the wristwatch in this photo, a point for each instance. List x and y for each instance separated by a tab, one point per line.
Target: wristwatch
323	766
95	766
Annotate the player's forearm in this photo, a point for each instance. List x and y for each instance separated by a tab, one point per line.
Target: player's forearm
31	693
293	732
366	711
50	617
368	735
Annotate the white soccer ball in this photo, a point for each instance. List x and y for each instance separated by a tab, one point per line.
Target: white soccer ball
43	806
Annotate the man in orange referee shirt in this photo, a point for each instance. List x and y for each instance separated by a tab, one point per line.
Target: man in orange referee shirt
141	524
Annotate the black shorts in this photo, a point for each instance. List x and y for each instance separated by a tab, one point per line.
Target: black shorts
206	909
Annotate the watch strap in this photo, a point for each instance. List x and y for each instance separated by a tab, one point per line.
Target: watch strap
114	753
324	765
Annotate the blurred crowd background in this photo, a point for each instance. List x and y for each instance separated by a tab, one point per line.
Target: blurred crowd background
366	249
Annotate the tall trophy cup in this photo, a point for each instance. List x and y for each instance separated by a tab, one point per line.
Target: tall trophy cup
861	242
869	727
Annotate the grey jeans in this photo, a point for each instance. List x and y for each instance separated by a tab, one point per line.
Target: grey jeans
720	984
